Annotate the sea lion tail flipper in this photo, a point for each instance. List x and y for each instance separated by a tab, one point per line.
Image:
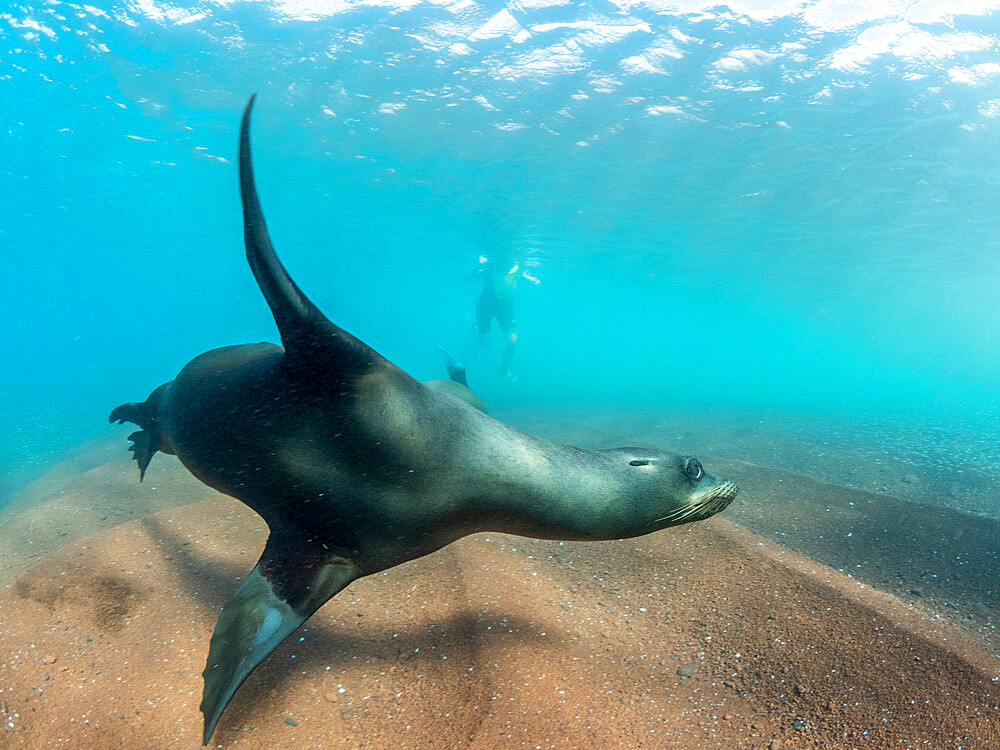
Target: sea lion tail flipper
142	448
456	370
303	328
292	579
149	439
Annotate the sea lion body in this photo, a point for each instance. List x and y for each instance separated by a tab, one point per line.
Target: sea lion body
460	391
357	467
391	468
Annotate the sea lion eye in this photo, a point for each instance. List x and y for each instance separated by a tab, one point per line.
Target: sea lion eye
639	462
693	468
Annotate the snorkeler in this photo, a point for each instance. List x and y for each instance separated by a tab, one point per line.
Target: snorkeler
496	300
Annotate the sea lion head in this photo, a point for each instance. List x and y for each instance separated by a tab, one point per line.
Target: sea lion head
675	489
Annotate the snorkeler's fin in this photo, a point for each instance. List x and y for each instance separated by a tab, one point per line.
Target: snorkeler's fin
293	578
149	439
456	370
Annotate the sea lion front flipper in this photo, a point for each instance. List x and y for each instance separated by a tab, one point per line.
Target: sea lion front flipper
292	579
306	333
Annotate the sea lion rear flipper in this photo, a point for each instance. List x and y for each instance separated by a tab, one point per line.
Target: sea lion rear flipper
149	439
292	579
142	446
456	370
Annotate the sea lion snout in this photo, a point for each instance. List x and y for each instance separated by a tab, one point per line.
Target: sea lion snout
726	491
724	495
719	494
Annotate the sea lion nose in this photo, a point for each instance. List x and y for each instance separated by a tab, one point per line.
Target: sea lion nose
728	491
721	498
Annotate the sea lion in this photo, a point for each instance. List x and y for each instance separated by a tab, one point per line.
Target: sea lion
356	467
457	383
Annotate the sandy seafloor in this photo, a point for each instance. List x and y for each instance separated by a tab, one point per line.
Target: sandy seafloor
843	601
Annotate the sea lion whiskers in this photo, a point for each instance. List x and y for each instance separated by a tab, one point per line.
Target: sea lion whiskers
708	504
671	516
679	516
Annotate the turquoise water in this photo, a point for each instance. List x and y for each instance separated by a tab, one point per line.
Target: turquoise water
786	207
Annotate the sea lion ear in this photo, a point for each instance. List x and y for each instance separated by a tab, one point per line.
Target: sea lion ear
639	462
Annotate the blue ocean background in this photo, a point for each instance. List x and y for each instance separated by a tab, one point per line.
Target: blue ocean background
785	209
